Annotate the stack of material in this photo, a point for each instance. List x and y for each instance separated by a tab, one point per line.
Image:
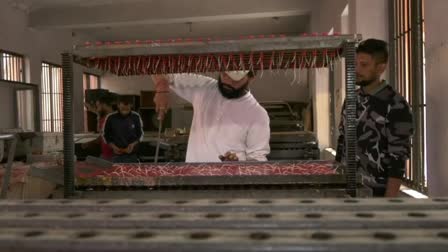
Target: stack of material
19	174
213	180
156	174
35	180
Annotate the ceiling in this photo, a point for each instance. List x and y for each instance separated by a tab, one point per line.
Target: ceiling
161	19
286	25
33	5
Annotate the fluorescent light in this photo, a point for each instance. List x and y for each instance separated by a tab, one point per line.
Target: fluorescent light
332	151
413	193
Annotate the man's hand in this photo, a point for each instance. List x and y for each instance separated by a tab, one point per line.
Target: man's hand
116	150
229	156
130	148
161	98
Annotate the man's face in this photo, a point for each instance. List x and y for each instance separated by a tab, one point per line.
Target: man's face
124	108
91	107
232	89
367	69
100	109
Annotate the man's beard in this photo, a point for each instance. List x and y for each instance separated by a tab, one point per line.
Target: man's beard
125	113
365	83
231	93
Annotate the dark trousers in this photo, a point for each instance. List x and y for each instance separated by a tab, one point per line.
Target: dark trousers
126	158
379	188
379	191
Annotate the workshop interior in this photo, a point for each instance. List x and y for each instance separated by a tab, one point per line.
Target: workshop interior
193	125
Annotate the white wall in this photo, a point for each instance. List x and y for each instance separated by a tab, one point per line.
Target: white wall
274	86
327	15
131	85
269	87
321	102
437	93
372	19
37	46
366	17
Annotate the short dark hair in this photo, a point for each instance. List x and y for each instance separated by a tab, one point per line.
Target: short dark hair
107	99
125	99
375	48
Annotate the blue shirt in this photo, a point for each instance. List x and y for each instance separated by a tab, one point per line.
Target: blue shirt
123	130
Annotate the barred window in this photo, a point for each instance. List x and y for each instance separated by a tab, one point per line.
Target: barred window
51	98
409	83
11	67
90	81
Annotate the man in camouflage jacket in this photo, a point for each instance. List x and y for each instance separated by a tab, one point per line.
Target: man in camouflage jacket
384	123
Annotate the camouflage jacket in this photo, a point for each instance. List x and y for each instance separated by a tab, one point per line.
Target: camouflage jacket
384	130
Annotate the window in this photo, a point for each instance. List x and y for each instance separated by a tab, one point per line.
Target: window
409	83
51	98
90	81
11	67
